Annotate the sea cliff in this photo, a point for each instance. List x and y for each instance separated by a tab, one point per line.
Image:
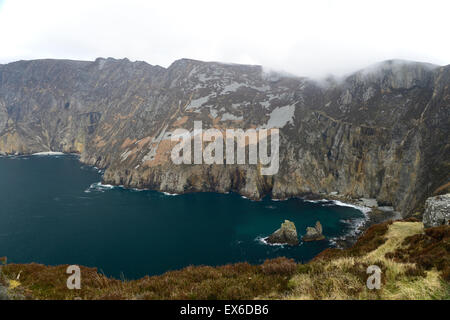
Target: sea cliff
381	132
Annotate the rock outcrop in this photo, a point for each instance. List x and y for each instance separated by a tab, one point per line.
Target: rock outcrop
287	234
371	203
381	132
314	233
437	211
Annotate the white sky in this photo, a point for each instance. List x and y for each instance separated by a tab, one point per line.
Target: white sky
307	38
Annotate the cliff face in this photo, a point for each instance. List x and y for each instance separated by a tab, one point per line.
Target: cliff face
381	132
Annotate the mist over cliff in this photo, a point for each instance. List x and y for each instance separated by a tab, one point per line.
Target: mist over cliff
381	132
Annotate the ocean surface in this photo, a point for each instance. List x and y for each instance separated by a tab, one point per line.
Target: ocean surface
54	210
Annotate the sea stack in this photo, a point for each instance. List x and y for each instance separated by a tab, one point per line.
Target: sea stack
314	233
287	234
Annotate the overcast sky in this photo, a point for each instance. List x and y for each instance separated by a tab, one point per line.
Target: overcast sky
307	38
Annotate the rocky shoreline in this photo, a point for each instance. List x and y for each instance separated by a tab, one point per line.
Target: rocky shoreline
374	134
374	214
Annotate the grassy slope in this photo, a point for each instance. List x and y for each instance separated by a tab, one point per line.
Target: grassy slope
342	275
415	265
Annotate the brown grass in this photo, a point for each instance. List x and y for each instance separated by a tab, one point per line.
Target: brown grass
428	250
280	266
414	264
372	238
341	274
234	281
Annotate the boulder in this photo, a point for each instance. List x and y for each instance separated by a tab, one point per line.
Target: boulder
287	234
368	202
314	233
437	211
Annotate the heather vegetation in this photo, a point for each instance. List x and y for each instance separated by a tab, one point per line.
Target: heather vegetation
414	263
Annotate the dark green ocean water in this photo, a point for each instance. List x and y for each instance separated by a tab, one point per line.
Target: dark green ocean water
53	212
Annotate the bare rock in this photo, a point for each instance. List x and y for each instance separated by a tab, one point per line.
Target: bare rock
287	234
314	233
437	211
340	120
368	202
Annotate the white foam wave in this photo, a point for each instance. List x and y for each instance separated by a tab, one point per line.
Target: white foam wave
249	199
355	225
48	153
318	201
363	209
170	194
98	186
263	240
138	190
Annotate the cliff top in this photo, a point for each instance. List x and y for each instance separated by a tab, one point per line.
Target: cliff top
414	264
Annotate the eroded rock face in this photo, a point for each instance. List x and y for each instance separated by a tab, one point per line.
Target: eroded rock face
437	211
314	233
380	133
287	234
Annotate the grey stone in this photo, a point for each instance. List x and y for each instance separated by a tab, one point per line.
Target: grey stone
386	208
366	202
314	233
437	211
360	136
287	234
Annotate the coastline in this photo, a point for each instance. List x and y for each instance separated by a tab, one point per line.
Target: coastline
372	215
278	278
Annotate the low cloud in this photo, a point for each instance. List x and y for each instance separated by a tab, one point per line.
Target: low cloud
305	38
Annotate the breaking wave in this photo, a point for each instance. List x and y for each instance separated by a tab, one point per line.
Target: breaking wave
263	240
170	194
48	153
99	187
